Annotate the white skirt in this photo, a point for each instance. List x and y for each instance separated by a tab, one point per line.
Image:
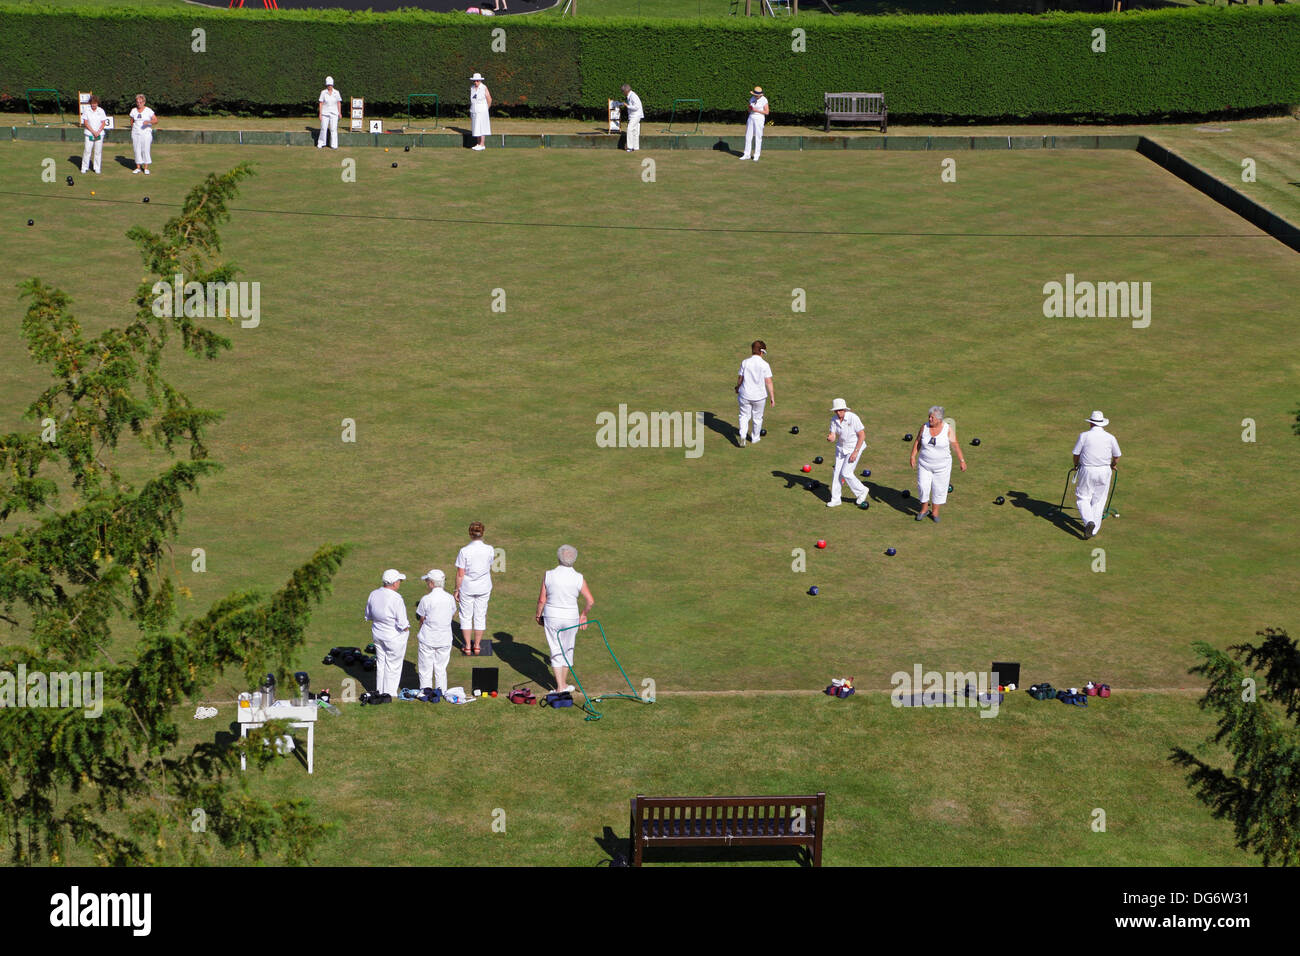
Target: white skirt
479	123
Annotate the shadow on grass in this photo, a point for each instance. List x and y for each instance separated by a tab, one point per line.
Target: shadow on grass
813	486
893	497
526	660
1047	510
618	853
727	430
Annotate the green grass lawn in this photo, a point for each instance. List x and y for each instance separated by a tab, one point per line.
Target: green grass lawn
376	301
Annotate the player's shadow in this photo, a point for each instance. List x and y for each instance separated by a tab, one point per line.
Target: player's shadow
466	136
722	146
727	430
126	162
892	497
1047	510
526	660
812	486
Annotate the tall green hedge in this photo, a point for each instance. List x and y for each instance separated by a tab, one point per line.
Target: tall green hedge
1178	62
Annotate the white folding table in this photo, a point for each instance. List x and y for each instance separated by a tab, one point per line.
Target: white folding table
299	718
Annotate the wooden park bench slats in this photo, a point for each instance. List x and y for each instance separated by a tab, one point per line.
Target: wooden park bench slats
856	108
726	821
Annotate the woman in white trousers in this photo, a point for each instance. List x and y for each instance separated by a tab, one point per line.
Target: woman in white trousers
143	120
932	458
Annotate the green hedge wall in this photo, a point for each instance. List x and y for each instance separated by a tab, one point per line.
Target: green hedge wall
1168	63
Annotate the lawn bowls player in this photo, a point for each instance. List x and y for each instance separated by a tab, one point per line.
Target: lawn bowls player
753	385
434	613
473	587
1096	455
143	120
331	108
557	608
932	450
758	111
480	124
389	629
635	113
850	438
94	121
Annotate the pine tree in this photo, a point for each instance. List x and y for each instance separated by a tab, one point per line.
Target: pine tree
83	573
1259	724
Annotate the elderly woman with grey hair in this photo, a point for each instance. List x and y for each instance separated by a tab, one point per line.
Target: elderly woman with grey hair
557	609
932	459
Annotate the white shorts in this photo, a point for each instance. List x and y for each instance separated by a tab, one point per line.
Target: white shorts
473	611
558	641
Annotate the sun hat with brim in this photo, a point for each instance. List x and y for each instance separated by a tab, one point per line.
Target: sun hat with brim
392	576
1099	419
758	90
838	405
476	76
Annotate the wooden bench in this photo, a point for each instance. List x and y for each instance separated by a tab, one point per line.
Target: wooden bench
728	821
856	108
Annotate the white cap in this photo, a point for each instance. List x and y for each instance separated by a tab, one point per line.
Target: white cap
838	404
1099	419
329	81
436	576
392	577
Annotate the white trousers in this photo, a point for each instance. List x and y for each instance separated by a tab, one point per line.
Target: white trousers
1090	493
142	143
435	652
634	133
932	483
754	135
844	470
329	124
390	653
560	644
95	146
473	611
751	411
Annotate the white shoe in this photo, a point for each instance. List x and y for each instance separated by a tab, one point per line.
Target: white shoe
136	171
146	172
755	159
755	441
744	157
742	443
833	504
478	147
568	688
860	499
320	145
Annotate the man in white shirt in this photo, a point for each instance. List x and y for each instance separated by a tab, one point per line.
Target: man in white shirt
143	120
93	122
850	438
758	110
1096	455
753	385
635	113
331	108
434	613
389	630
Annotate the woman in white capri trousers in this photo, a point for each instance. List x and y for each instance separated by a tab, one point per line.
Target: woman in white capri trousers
473	587
850	439
753	385
143	120
434	613
557	608
932	459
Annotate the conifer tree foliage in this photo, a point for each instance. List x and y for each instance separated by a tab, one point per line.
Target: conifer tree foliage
1259	724
85	587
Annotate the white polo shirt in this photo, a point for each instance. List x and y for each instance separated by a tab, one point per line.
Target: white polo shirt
95	120
437	608
331	102
634	110
476	559
755	371
142	120
757	104
563	585
1095	448
846	432
386	612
